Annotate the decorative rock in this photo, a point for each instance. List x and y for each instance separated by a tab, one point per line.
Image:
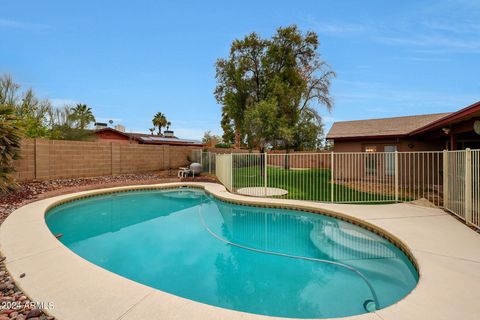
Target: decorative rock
13	314
4	318
34	313
22	275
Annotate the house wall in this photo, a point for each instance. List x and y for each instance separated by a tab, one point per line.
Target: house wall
362	166
403	145
110	136
54	159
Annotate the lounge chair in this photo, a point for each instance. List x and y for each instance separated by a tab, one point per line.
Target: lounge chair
184	172
193	170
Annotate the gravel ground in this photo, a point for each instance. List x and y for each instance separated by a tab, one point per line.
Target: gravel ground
14	304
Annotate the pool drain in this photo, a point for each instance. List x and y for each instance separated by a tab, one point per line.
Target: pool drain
369	305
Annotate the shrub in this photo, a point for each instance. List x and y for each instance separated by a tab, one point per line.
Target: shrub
10	139
223	145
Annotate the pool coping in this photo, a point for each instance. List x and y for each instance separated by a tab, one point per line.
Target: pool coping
53	271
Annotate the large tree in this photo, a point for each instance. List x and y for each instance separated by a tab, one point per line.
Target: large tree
33	115
239	84
269	89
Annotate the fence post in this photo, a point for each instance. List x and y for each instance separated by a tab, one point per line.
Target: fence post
445	180
397	187
231	172
35	158
111	158
265	172
468	186
209	163
332	175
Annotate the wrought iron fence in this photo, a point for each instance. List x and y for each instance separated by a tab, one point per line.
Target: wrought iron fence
449	179
206	159
462	190
475	219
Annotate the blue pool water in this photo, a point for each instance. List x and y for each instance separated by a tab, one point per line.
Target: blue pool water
259	260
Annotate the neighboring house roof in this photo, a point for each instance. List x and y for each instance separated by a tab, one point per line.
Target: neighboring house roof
384	127
127	136
153	139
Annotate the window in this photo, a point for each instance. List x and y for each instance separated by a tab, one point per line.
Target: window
390	160
370	161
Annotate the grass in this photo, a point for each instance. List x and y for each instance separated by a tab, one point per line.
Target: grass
312	184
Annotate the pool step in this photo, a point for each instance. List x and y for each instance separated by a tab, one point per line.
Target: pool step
340	241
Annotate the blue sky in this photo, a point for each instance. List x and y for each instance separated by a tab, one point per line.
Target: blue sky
130	59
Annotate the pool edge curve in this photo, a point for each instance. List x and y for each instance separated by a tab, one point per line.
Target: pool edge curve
43	242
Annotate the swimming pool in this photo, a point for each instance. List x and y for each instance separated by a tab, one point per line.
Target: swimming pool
267	261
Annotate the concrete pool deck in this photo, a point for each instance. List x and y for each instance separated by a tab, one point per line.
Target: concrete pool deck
446	251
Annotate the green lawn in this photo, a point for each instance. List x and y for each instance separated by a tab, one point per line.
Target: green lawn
313	184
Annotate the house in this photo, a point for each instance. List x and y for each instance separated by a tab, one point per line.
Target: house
430	132
117	136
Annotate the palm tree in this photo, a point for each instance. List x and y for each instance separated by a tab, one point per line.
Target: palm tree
10	138
152	130
160	121
168	125
82	115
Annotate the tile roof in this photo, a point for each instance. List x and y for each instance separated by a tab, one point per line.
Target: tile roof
397	126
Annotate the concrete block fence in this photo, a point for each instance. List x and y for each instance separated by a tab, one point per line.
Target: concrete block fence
56	159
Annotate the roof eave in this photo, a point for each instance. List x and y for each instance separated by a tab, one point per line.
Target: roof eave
172	143
115	131
448	119
370	137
